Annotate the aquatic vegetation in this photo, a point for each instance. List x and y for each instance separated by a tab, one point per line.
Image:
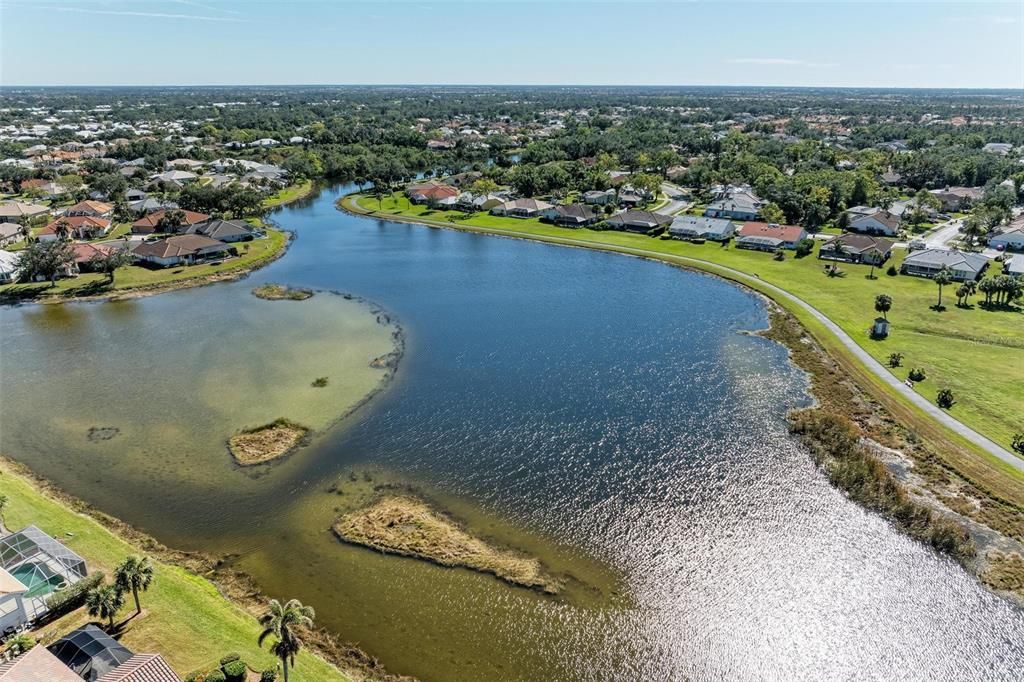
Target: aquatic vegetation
267	442
281	292
407	526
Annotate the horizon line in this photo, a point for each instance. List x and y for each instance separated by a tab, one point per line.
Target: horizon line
509	85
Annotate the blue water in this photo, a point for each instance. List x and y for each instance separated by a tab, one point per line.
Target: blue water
615	406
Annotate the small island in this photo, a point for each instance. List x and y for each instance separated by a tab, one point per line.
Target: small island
407	526
281	292
266	443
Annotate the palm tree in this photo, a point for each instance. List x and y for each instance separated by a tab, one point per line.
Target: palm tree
883	304
281	622
942	278
104	602
135	573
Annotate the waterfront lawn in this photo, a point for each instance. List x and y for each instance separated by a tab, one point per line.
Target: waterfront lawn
976	353
184	617
288	194
250	254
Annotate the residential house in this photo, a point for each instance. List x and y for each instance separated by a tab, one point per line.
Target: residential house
738	205
86	254
572	215
1014	267
9	234
264	142
877	222
857	248
15	211
183	164
184	249
149	205
174	178
639	221
38	665
1011	239
467	201
431	193
227	231
41	565
96	209
133	194
769	237
78	227
141	668
702	227
957	198
90	652
1001	148
155	221
963	266
9	272
891	177
46	189
522	208
599	197
463	179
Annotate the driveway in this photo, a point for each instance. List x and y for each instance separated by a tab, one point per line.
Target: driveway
942	234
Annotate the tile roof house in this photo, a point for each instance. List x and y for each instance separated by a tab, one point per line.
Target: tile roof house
431	193
701	227
152	222
18	210
768	237
572	215
963	266
599	197
639	221
223	230
79	227
738	205
857	248
954	198
876	222
97	209
184	249
522	208
38	665
141	668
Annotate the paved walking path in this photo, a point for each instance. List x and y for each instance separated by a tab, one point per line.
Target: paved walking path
873	365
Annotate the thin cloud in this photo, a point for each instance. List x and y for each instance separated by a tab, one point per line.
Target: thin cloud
210	8
777	61
152	15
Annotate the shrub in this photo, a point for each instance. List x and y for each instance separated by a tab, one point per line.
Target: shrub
917	374
804	247
228	658
235	671
319	382
269	675
70	598
780	255
892	271
194	676
1018	443
215	676
895	359
944	398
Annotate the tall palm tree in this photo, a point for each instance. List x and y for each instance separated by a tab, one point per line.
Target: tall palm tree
942	278
104	602
135	573
282	622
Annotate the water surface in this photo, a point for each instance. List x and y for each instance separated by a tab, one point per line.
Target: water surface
609	414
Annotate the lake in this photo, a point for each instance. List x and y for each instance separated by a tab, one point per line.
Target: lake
611	415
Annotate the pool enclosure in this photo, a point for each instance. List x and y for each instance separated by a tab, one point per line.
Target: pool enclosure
41	565
90	652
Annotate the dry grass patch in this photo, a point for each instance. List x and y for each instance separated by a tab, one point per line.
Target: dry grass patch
1005	572
267	442
398	524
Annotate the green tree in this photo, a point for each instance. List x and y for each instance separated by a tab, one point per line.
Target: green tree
483	187
1018	443
771	213
104	602
108	261
46	260
283	622
134	573
942	278
944	398
883	304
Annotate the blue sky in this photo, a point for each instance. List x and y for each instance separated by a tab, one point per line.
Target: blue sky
824	43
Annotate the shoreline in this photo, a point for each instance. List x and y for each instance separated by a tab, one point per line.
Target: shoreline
230	275
930	488
236	587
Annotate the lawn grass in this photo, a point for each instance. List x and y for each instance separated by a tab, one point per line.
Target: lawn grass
977	353
184	616
289	194
250	254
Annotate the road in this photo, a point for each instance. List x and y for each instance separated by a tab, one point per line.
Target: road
941	234
673	206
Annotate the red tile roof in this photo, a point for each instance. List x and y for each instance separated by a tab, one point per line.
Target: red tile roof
76	222
153	219
90	206
787	233
141	668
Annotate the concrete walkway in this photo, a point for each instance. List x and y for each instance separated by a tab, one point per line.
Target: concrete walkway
865	358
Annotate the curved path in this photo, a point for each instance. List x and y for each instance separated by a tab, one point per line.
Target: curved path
863	356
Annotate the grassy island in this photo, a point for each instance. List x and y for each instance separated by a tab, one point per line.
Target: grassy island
266	443
281	292
403	525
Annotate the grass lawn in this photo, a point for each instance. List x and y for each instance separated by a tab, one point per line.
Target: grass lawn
977	353
288	194
134	276
184	617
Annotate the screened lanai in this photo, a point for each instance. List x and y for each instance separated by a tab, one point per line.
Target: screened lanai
41	564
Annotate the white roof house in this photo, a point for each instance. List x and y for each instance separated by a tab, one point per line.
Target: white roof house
927	263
